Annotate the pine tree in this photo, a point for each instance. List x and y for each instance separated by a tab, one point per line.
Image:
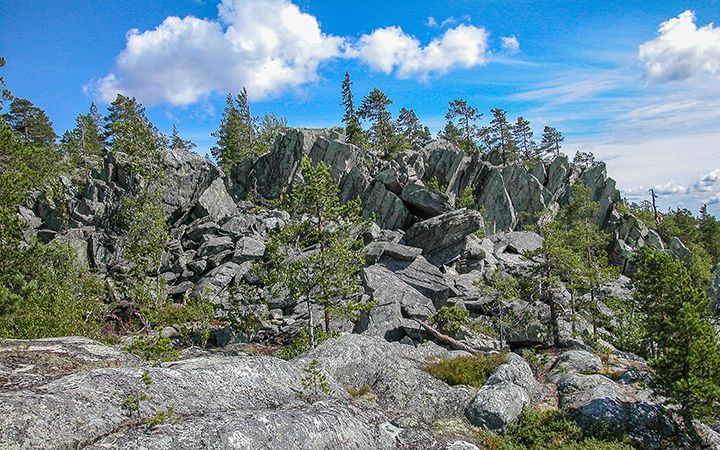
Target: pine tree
374	108
178	143
589	243
467	118
318	260
269	126
84	145
129	131
412	131
501	136
30	122
522	134
679	335
353	129
553	261
5	94
551	141
236	135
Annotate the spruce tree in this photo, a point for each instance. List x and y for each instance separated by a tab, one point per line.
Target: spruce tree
522	134
353	129
178	143
501	136
236	135
374	108
30	122
411	130
318	259
679	335
551	141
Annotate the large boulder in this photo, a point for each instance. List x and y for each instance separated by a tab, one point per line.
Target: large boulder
499	403
187	176
435	234
390	212
215	202
425	202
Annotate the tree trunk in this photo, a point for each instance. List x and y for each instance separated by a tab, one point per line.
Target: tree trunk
311	324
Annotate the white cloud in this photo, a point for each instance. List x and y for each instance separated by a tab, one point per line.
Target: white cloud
431	22
510	44
449	21
268	46
681	50
265	45
708	182
388	49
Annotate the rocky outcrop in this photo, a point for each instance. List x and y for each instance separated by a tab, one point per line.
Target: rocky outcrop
510	388
242	401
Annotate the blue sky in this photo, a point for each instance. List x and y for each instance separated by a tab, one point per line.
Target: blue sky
635	82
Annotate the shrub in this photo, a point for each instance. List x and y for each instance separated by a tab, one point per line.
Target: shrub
466	199
43	292
301	343
450	318
153	349
314	383
465	370
548	430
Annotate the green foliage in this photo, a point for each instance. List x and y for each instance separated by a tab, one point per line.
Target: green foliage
374	108
627	324
43	293
461	127
353	130
471	370
466	199
679	336
551	141
549	430
84	145
129	131
193	316
410	131
269	126
318	260
242	136
24	167
504	288
178	143
450	318
30	122
150	348
315	383
500	136
162	417
435	184
522	135
143	217
301	343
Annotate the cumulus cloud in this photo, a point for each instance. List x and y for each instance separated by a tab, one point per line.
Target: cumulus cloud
510	44
265	45
391	49
708	182
268	46
681	50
